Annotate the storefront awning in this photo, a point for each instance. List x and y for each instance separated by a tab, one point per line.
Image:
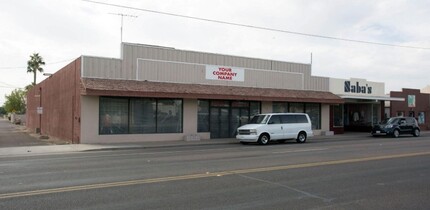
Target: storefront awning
132	88
373	98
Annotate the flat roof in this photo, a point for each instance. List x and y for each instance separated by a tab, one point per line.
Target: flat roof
133	88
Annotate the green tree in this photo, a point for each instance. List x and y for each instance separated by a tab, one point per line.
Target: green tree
15	102
34	65
28	87
2	111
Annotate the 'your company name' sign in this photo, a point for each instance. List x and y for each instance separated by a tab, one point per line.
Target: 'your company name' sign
225	73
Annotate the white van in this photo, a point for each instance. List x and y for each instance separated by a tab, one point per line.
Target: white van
276	126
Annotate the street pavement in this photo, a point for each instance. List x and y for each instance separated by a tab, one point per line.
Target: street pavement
15	135
350	171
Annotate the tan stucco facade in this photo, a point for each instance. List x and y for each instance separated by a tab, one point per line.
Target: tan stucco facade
90	124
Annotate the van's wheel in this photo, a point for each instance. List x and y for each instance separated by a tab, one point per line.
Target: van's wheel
264	139
396	133
416	133
301	138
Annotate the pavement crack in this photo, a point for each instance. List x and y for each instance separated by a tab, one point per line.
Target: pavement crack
308	194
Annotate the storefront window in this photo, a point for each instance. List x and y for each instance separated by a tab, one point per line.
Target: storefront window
139	115
113	115
314	112
217	103
360	115
142	115
337	115
297	107
169	116
387	113
376	113
149	120
254	109
203	116
280	107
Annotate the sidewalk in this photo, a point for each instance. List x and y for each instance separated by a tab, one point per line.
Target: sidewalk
73	148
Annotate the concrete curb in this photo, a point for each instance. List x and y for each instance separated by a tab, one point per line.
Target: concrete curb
74	148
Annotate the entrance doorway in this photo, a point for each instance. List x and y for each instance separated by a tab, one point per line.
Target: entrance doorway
219	122
227	116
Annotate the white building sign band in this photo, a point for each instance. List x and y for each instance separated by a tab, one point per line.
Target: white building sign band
225	73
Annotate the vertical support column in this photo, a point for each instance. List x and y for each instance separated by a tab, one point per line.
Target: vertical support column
190	116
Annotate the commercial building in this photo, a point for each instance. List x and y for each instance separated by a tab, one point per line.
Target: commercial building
416	104
157	93
364	103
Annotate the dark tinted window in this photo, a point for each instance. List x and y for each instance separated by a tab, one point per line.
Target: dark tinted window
294	119
275	119
203	116
139	115
301	119
258	119
393	121
288	119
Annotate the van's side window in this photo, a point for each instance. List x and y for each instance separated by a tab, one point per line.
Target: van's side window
275	119
301	119
288	119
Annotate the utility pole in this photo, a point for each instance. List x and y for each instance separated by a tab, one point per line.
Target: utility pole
122	17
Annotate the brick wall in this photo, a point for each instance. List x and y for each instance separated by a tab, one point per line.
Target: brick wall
422	104
59	95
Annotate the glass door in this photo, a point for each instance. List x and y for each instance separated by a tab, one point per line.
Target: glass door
226	116
239	117
219	122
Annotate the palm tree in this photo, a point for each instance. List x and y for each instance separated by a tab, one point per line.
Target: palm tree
34	65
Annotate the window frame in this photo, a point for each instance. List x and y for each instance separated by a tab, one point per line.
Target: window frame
128	130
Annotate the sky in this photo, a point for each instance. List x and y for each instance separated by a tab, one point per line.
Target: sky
63	30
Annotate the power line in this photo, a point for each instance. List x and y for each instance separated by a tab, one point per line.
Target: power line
258	27
9	87
4	83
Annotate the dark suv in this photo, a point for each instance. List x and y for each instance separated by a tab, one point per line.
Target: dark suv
397	125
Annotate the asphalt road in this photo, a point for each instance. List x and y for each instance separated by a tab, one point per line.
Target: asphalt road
15	136
341	173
